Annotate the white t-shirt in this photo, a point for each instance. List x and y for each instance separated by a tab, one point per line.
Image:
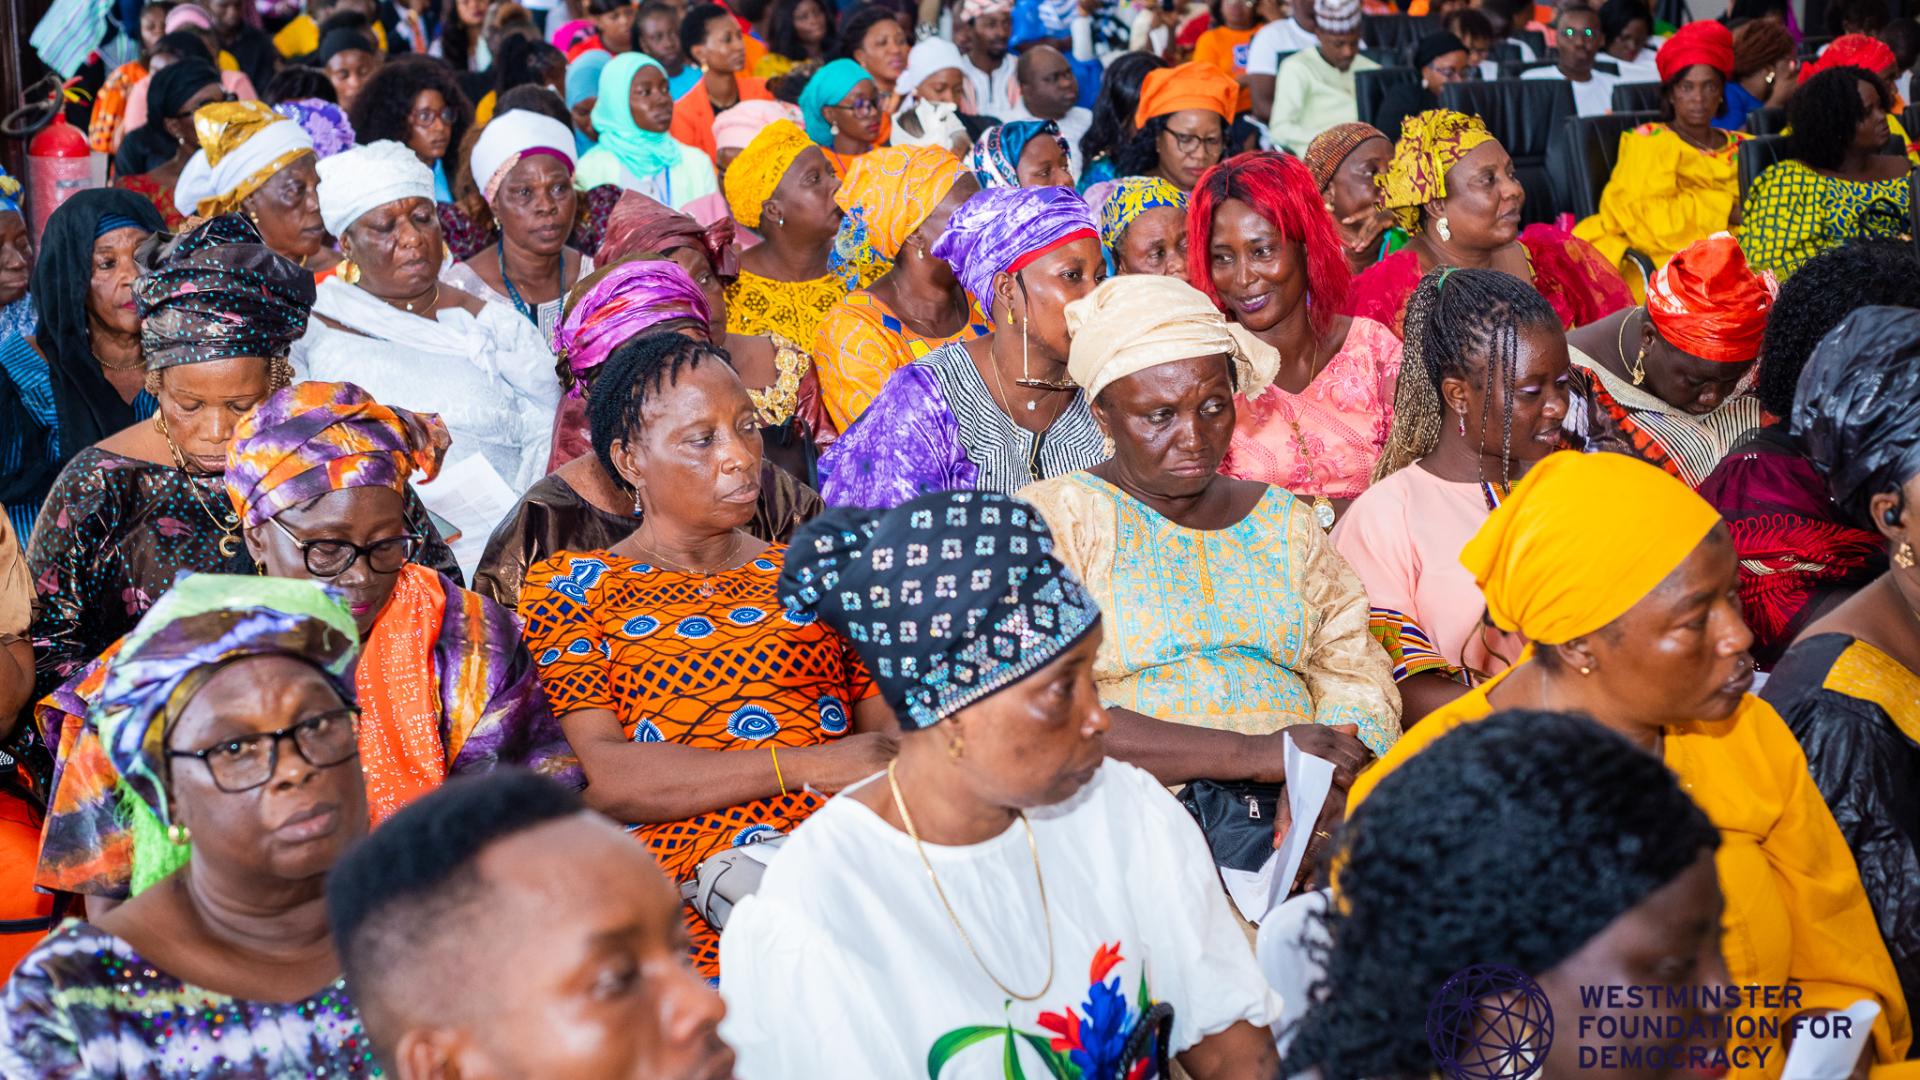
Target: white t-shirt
845	962
1286	35
1591	98
992	91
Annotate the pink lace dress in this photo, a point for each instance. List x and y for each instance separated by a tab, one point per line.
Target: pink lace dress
1342	417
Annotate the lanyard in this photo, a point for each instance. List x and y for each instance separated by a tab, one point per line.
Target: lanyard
530	311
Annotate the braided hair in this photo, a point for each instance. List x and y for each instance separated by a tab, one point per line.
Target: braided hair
1574	827
634	373
1462	324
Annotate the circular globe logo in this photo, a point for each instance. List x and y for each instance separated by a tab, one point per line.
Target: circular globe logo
1489	1022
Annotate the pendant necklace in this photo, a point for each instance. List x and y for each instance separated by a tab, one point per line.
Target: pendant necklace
705	587
228	524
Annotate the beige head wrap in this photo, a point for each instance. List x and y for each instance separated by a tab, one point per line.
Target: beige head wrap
1136	321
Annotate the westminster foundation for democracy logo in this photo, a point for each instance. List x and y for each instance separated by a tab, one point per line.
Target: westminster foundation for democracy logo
1489	1022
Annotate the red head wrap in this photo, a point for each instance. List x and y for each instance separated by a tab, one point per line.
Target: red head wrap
1852	50
1707	303
1705	42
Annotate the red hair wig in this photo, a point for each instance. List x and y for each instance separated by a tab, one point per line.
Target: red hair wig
1282	190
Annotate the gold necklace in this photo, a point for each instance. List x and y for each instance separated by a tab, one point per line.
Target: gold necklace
229	526
1639	370
705	576
1323	512
1033	847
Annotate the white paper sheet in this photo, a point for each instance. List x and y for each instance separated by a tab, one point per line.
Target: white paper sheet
473	497
1831	1057
1309	780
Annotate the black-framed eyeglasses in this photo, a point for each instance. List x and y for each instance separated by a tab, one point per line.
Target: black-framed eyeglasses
331	558
447	115
249	761
227	97
1189	143
865	106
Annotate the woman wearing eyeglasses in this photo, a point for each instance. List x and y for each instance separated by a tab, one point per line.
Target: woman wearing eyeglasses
318	476
841	105
1440	59
1180	125
152	157
228	723
414	100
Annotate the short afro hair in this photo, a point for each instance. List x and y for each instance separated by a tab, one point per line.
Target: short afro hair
385	105
1827	289
694	24
1825	112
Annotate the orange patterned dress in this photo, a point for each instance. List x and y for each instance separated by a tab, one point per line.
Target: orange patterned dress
732	671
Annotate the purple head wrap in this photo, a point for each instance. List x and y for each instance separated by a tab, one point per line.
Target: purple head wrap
1002	229
325	123
629	300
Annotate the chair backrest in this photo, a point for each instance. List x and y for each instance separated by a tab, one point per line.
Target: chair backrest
1636	97
1582	159
1504	52
1370	88
1810	46
1387	58
1755	155
1396	33
1535	39
1523	114
1511	69
1766	120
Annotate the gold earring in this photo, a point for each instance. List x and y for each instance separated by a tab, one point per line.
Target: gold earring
1903	558
1441	227
178	835
160	424
1639	371
1106	445
955	747
1586	670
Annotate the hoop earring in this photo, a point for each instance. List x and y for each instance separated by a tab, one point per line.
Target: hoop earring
956	747
1440	226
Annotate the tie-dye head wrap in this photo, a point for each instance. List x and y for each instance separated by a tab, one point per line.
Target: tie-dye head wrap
757	171
638	225
1132	196
829	86
887	193
1001	230
606	311
1430	144
202	624
9	193
995	159
324	122
312	438
219	292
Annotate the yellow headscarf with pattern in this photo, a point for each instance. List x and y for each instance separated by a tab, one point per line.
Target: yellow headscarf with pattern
757	171
242	145
1430	144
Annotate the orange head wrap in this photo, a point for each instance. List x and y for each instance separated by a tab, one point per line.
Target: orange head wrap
1188	86
1707	303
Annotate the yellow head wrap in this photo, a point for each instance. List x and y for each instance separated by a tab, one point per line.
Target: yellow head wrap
757	171
892	190
1430	144
242	145
1137	321
1580	541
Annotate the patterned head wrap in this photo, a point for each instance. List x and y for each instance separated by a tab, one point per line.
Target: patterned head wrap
1001	230
311	438
203	623
1330	149
1707	303
1337	16
511	137
1858	407
757	171
218	292
887	193
1133	322
607	311
995	158
324	122
367	178
1580	541
942	618
828	86
1430	144
1130	197
1867	53
734	128
242	145
9	193
638	224
1192	85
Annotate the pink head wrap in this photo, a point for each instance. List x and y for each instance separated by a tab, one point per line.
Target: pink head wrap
736	127
631	299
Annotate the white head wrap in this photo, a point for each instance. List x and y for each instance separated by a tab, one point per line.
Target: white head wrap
927	57
200	180
1337	16
1133	322
367	177
511	136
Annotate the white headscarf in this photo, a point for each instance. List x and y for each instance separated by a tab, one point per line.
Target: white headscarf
201	180
367	177
927	57
511	136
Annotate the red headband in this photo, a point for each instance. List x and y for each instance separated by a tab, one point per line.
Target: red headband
1033	256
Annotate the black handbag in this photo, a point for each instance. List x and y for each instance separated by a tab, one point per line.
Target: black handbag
1237	819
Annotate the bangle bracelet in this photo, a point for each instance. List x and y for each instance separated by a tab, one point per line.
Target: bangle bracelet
775	752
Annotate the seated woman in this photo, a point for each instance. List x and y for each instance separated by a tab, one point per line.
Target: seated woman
655	651
843	115
1765	63
523	165
633	150
1482	397
1799	556
1676	181
779	373
935	104
16	263
415	101
1180	125
77	373
1113	111
1003	849
898	201
1266	254
1440	59
152	157
230	721
1837	183
1850	686
1344	161
1023	153
711	38
1559	787
1680	400
318	474
783	187
996	412
1451	186
408	340
256	161
1627	27
1623	580
1143	227
1274	627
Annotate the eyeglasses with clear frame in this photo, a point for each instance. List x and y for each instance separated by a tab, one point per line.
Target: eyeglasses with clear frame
244	763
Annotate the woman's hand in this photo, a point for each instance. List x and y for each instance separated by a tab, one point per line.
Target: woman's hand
839	764
1341	745
1861	1067
1360	231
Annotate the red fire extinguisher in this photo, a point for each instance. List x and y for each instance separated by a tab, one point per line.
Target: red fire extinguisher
59	163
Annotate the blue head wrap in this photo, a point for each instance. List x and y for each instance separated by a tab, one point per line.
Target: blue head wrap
827	87
996	157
